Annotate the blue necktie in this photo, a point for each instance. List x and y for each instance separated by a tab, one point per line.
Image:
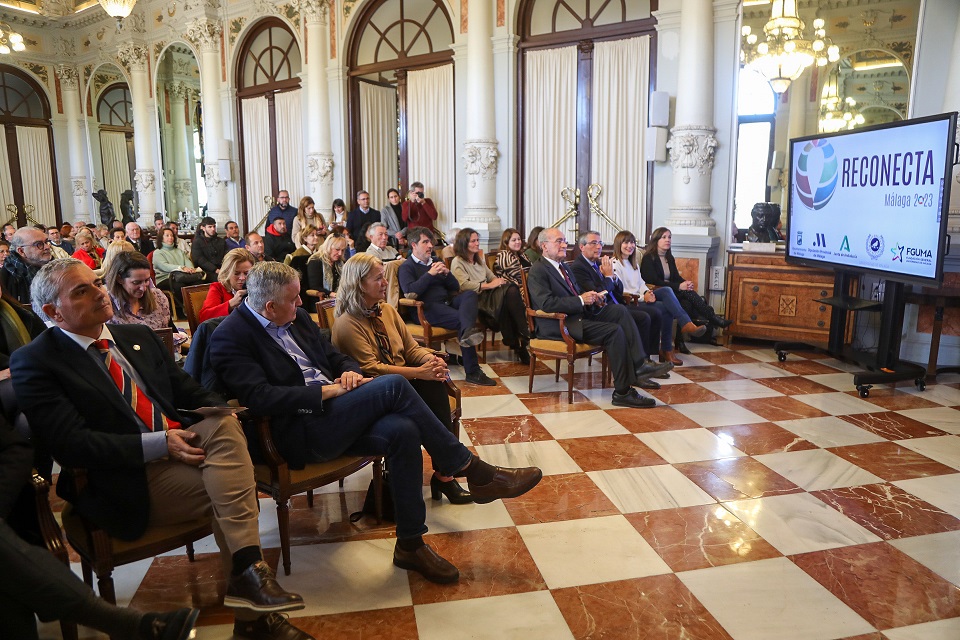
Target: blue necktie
611	299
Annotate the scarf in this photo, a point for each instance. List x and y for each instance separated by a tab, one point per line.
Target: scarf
379	333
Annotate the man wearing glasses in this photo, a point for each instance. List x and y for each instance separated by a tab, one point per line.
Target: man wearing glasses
282	210
29	250
590	320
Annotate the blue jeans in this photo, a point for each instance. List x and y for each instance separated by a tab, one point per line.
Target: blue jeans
386	417
460	315
667	296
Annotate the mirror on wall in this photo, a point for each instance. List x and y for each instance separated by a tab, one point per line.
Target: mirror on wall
110	133
864	88
179	114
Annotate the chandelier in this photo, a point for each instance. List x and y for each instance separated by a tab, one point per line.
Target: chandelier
10	40
785	52
118	9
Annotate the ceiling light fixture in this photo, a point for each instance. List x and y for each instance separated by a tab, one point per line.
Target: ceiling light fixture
10	40
118	9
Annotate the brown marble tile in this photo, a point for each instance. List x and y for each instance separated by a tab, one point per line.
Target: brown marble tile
474	390
561	497
867	636
895	399
736	478
761	437
725	357
804	367
329	519
513	369
794	385
891	462
505	429
707	374
587	380
888	511
884	585
684	394
652	420
700	537
892	426
492	562
399	623
610	452
653	608
781	408
556	402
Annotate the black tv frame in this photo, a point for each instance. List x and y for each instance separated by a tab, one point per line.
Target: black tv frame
943	240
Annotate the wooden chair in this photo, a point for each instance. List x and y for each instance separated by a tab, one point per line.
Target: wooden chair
166	336
325	315
52	539
565	349
193	298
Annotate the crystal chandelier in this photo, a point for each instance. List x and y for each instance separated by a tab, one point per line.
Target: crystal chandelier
10	40
118	9
785	51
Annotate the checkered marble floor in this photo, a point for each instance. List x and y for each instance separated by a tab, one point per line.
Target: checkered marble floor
758	501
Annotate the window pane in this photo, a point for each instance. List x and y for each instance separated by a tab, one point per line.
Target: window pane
755	97
753	157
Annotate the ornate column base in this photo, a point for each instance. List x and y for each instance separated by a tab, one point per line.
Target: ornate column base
217	203
145	181
81	204
320	175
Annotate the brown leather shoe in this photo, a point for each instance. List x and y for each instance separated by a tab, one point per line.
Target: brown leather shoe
506	483
272	626
427	563
694	330
670	356
257	589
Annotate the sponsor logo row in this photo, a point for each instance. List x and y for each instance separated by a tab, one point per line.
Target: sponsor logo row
875	246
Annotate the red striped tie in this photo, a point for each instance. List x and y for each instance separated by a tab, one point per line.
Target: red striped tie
142	406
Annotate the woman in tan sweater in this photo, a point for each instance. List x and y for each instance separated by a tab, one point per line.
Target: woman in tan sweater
373	333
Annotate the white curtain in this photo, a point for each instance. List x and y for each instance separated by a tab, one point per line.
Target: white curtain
550	134
6	183
256	158
379	146
431	141
116	165
620	89
290	156
37	176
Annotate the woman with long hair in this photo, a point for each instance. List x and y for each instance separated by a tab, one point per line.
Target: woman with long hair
533	251
88	251
392	216
174	268
308	243
658	267
228	292
338	213
511	259
135	298
500	300
307	215
325	265
373	333
113	250
627	268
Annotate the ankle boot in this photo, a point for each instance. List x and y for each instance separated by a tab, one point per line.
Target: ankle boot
694	330
670	356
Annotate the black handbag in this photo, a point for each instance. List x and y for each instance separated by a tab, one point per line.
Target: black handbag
369	507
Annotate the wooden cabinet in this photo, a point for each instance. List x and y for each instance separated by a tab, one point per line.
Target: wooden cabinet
768	298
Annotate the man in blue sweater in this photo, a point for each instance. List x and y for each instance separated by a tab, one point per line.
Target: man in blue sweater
437	288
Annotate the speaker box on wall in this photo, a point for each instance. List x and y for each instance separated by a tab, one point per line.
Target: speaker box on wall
659	109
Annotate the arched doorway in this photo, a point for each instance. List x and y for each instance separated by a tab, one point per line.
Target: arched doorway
585	76
115	122
270	117
401	101
28	177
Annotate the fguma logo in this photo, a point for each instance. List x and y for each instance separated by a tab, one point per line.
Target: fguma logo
816	174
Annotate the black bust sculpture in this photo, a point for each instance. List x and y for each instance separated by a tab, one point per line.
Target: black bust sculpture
766	217
106	207
126	207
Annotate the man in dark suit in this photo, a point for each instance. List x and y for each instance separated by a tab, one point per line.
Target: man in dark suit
115	411
273	357
593	272
361	217
553	290
136	238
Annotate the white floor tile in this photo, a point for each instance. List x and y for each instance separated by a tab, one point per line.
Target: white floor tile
947	396
838	403
836	381
520	616
546	454
541	384
943	449
580	424
763	355
943	418
719	413
942	492
757	370
740	389
443	517
649	488
937	551
493	406
688	445
829	431
589	551
935	630
816	469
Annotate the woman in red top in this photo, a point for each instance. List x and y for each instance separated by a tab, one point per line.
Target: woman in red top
229	290
88	251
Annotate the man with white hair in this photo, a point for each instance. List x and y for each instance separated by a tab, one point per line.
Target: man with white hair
379	236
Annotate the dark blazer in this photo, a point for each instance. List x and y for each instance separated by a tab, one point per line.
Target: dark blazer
143	245
277	246
588	279
549	292
356	220
264	378
651	270
79	416
314	276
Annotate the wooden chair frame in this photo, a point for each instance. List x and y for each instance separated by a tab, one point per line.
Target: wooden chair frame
190	306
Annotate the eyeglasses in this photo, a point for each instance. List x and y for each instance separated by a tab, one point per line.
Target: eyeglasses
596	243
558	241
39	244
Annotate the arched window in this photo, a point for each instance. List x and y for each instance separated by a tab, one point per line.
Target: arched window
584	80
271	126
28	177
401	89
115	107
117	152
756	115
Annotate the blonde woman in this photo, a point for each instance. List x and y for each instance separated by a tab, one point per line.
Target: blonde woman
230	289
307	215
325	265
308	242
117	246
88	251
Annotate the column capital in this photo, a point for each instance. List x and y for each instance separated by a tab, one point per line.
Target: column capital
692	147
320	167
314	11
178	90
480	159
133	55
204	34
67	73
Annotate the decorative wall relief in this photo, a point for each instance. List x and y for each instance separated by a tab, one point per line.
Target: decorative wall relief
320	167
692	147
480	160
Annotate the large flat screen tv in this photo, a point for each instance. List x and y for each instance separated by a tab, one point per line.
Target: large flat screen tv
873	200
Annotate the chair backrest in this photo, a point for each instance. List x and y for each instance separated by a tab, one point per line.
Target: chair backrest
448	260
153	272
393	282
325	315
525	292
166	335
193	298
491	259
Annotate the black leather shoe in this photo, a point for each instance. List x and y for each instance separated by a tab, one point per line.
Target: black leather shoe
272	626
633	399
682	348
506	483
427	563
257	589
721	322
522	355
175	625
648	384
480	378
650	369
452	489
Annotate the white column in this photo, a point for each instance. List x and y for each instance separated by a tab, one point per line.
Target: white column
693	142
319	147
204	34
951	102
78	169
480	153
134	56
182	182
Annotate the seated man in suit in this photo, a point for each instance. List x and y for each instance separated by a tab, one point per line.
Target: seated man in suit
438	289
273	357
592	272
116	411
554	291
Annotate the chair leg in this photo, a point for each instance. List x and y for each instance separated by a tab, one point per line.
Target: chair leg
283	524
378	489
556	377
190	551
533	365
87	573
105	587
310	495
68	630
569	381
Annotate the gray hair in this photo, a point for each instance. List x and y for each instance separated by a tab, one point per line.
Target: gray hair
583	239
19	238
373	226
349	294
45	288
362	193
544	235
265	282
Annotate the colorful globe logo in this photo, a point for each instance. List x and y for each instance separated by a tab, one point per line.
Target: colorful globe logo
815	177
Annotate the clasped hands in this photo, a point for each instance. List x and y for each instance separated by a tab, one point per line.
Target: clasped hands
594	298
438	269
435	368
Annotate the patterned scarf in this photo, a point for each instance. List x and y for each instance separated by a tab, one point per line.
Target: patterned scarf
379	333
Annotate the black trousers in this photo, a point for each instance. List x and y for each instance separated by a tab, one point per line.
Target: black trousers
513	319
614	328
695	306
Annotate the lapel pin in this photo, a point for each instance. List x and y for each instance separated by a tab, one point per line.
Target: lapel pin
136	347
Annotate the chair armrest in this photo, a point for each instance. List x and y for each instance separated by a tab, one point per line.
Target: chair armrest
49	529
560	317
418	305
629	298
320	295
278	466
